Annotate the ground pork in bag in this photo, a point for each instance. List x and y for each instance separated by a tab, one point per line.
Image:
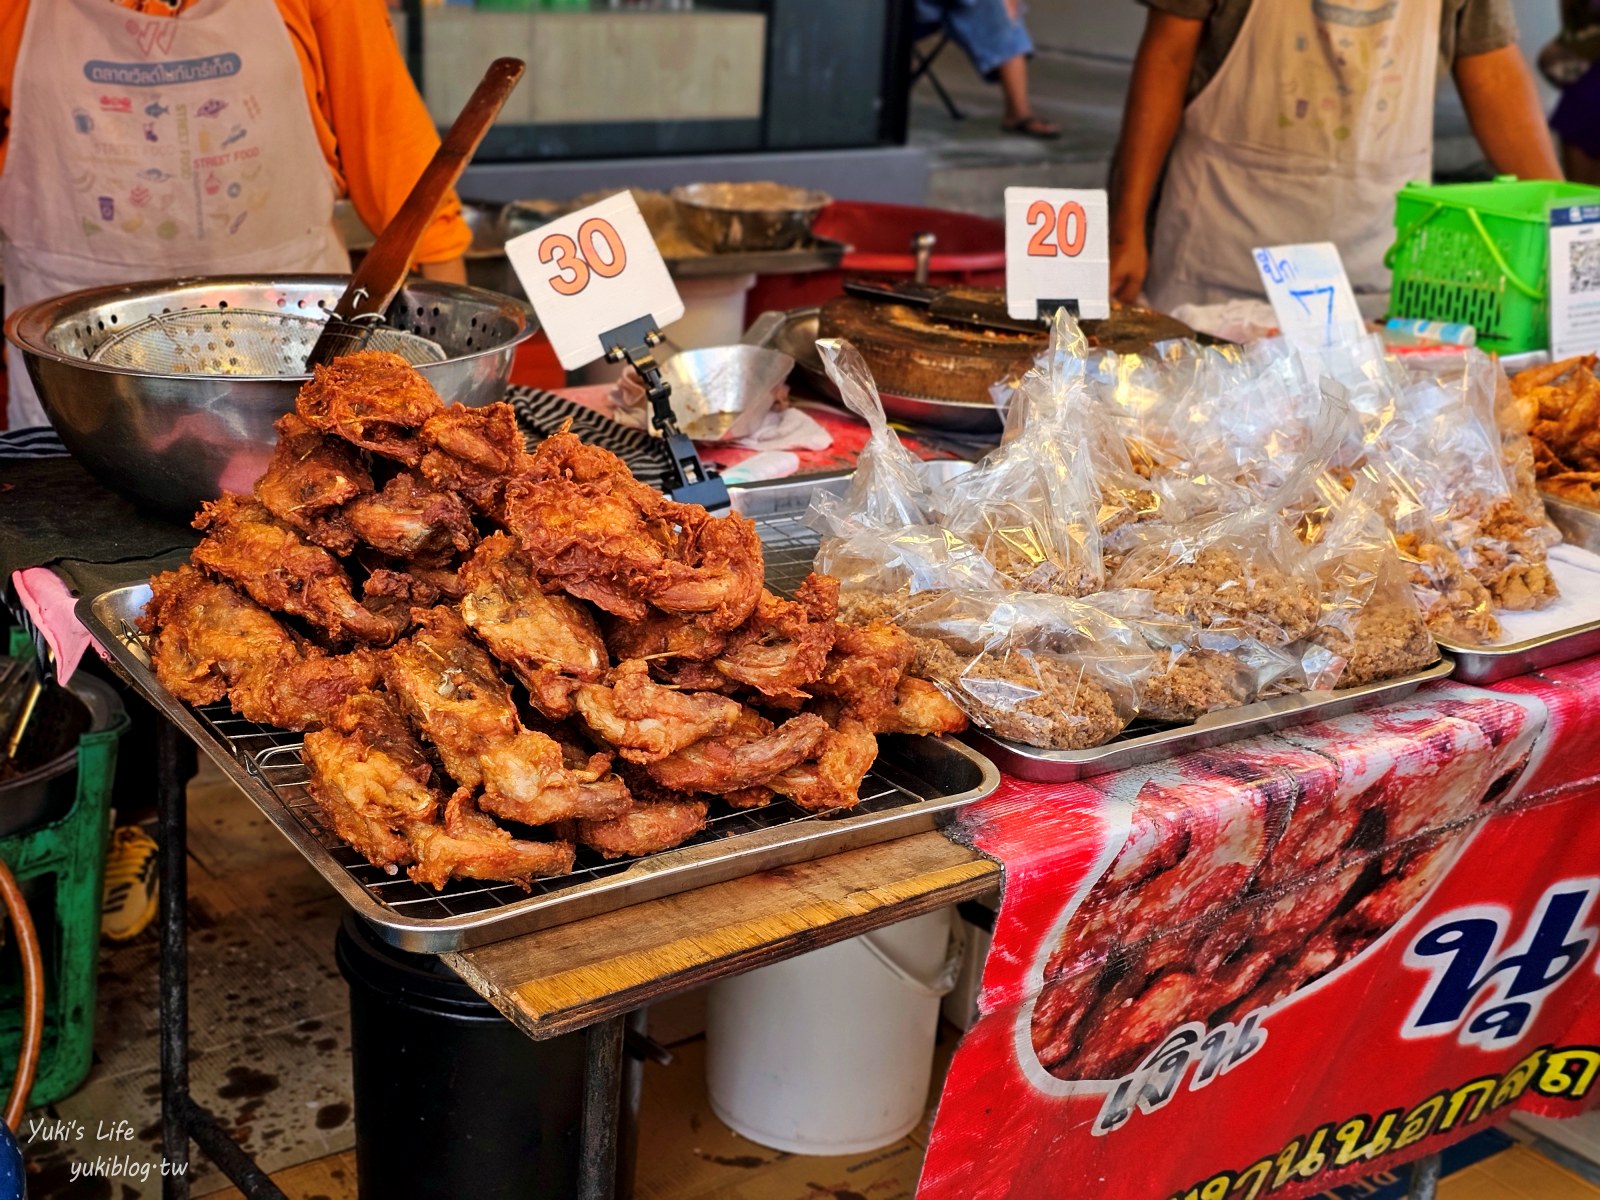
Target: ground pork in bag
1045	670
1371	626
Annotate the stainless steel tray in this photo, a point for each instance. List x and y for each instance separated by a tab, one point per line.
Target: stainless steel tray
797	337
915	783
817	254
1142	743
1578	523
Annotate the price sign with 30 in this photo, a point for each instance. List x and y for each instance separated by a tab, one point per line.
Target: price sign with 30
591	272
1057	251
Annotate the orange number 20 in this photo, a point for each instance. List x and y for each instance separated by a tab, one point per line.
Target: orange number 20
1068	224
597	251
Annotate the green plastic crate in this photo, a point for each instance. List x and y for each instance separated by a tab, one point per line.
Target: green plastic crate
60	868
1478	253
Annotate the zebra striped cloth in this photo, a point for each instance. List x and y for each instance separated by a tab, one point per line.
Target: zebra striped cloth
36	441
539	414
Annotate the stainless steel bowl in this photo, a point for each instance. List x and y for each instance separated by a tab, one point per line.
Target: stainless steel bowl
724	217
169	442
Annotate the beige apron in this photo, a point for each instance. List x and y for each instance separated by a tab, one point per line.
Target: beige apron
1320	113
144	147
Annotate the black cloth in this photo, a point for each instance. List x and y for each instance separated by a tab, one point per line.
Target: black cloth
540	414
53	513
36	441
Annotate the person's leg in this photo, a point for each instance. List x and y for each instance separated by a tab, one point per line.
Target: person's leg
999	48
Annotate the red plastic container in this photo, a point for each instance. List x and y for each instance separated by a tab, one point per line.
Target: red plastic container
967	249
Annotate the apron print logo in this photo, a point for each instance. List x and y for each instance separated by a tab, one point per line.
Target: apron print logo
133	224
211	108
167	230
153	37
108	208
155	109
233	191
150	132
238	221
155	175
90	228
116	104
213	185
1355	12
140	196
252	107
83	182
82	121
234	135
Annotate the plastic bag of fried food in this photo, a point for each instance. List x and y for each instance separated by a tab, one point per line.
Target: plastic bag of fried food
1031	507
1041	669
1475	542
499	655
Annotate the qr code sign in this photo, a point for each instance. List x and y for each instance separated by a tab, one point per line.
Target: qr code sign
1584	267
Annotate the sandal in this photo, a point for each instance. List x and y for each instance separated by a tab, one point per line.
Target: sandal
1032	126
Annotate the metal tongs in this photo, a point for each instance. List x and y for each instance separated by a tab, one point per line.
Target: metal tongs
21	684
691	482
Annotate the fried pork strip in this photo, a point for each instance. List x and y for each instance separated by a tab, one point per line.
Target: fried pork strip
371	779
468	845
371	399
473	451
551	643
308	481
448	685
282	571
746	756
651	826
646	721
211	642
410	519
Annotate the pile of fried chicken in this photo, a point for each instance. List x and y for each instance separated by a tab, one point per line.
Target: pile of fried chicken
539	639
1560	404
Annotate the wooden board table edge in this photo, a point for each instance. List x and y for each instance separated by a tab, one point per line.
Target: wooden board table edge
560	980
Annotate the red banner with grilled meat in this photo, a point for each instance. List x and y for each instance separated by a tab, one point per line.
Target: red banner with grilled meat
1279	965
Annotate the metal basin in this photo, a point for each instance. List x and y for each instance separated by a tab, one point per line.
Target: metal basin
169	442
731	217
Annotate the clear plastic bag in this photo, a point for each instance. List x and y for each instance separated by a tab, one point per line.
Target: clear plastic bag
1371	626
1031	506
1040	669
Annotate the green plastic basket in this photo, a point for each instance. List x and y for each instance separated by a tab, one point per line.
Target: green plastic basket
1478	253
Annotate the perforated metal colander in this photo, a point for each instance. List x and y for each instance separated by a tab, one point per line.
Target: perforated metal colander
240	341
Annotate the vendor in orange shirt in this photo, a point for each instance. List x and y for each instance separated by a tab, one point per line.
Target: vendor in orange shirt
154	138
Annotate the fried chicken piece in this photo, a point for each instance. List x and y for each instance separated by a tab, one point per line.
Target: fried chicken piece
864	668
646	721
1456	607
448	685
564	455
308	480
920	708
409	519
785	643
590	539
280	570
469	845
715	571
833	779
370	778
372	399
651	826
746	756
474	451
444	578
391	595
211	641
663	635
551	643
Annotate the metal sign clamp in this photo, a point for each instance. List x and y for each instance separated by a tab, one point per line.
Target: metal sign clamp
690	481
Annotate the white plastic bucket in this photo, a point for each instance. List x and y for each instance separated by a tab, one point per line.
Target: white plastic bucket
832	1052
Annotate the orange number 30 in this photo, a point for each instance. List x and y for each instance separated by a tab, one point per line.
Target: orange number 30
597	251
1068	224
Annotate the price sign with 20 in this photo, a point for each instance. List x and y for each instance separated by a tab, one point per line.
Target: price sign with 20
591	272
1057	251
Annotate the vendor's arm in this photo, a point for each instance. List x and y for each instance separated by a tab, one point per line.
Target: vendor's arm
1498	92
1150	122
384	134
